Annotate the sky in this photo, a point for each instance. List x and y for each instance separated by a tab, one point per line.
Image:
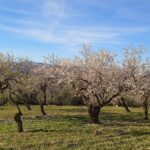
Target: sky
36	28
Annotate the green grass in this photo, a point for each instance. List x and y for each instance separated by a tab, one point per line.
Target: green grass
68	127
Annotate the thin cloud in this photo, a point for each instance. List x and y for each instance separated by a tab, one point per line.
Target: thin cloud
47	22
54	8
67	36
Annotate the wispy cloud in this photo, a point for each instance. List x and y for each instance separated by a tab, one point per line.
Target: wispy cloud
70	35
48	23
55	8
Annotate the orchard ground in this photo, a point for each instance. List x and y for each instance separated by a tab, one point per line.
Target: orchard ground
68	127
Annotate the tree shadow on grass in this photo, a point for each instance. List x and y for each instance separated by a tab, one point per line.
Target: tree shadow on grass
106	118
58	130
116	119
140	133
39	145
72	118
82	110
38	130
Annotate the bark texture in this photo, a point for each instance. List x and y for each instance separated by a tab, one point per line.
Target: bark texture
42	109
122	102
145	107
94	112
18	120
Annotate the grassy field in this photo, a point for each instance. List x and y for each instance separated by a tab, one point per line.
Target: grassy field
67	127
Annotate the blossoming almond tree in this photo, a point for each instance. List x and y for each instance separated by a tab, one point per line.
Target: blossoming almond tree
139	67
98	78
11	77
45	79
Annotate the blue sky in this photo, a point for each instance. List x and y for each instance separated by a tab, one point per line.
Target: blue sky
35	28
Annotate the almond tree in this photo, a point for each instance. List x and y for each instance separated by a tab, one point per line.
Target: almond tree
10	77
139	67
24	91
4	71
45	79
98	78
142	86
145	93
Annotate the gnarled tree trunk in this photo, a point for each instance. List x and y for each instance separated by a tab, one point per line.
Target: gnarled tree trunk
145	107
94	113
123	103
42	109
17	116
28	106
45	97
18	120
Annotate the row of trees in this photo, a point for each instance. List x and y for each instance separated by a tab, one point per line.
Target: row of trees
99	77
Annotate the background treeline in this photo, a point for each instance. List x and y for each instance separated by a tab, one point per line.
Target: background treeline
65	96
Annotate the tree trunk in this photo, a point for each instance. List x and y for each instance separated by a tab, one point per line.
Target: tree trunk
28	106
94	113
17	116
42	109
145	107
45	97
52	96
123	103
18	120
